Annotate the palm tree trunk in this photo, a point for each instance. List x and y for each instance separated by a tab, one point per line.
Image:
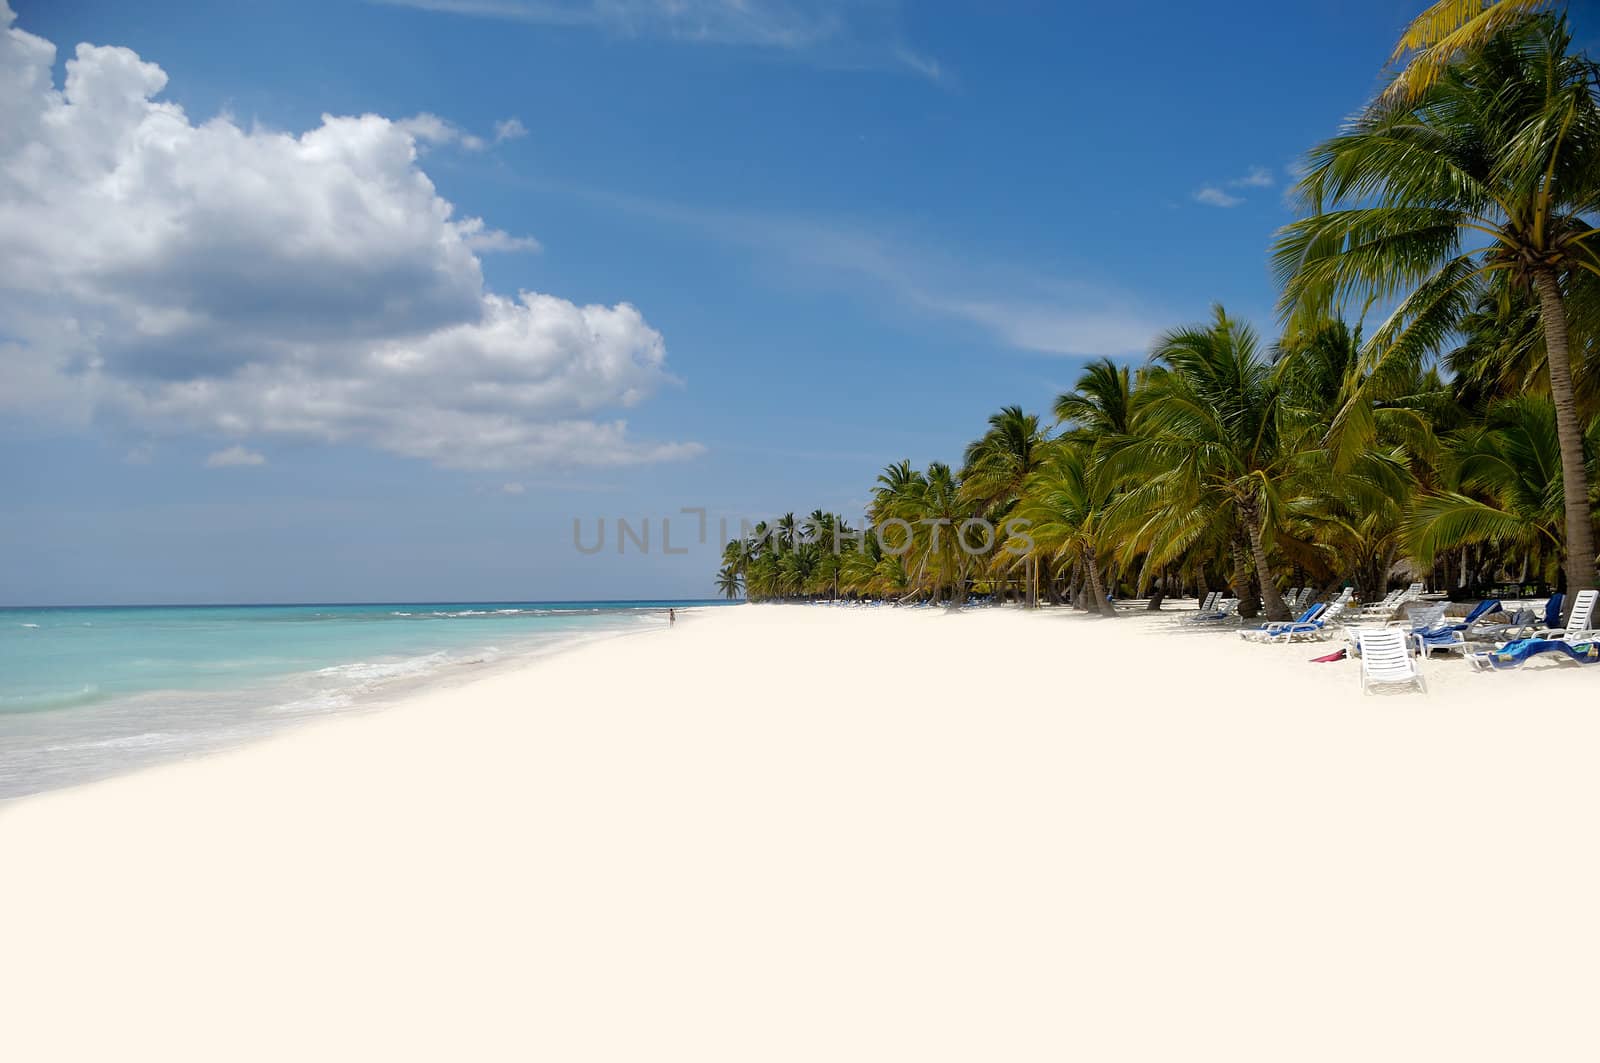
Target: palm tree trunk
1250	517
1076	581
1569	431
1097	588
1241	583
1160	591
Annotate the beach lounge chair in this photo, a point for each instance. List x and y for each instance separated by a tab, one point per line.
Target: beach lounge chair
1574	642
1209	603
1389	608
1552	611
1318	627
1220	615
1384	659
1525	623
1519	624
1278	625
1580	625
1385	607
1516	654
1448	638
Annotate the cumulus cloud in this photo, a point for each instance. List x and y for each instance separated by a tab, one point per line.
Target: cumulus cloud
233	456
174	276
1213	196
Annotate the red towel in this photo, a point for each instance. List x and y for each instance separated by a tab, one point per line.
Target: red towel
1336	655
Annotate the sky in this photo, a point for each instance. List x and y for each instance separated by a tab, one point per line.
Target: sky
371	301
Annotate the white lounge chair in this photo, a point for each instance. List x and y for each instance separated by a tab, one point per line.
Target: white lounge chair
1384	659
1220	615
1421	617
1574	642
1390	606
1447	636
1580	625
1318	627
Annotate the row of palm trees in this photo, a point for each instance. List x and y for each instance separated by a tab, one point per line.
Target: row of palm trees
1456	435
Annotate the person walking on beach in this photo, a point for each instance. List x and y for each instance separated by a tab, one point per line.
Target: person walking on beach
672	617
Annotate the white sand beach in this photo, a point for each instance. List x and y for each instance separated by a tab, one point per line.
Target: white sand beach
781	833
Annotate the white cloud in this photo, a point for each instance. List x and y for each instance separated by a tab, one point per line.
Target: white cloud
509	129
1216	196
204	278
232	456
844	33
512	489
1021	308
428	128
1061	328
1212	196
485	240
918	63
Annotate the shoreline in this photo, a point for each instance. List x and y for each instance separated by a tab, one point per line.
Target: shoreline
842	833
271	705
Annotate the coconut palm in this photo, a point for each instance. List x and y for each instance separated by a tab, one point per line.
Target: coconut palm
1457	434
1488	178
1445	31
729	583
998	463
1065	503
1207	436
1100	403
1505	486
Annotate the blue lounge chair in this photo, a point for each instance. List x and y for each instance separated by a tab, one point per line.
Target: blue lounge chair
1516	654
1552	611
1479	611
1316	627
1579	626
1446	638
1278	625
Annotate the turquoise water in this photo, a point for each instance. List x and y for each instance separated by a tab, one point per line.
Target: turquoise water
90	692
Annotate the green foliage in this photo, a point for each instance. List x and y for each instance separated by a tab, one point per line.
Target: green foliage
1457	436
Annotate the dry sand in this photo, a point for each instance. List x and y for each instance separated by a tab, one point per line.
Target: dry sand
829	834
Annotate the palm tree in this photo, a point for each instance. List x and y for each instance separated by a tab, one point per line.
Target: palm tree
1505	486
1065	502
999	462
1445	31
1100	403
941	559
729	583
1504	150
1207	437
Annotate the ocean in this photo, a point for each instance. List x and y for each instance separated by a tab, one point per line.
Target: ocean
89	692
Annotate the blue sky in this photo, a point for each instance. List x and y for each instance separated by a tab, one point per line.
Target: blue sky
848	232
